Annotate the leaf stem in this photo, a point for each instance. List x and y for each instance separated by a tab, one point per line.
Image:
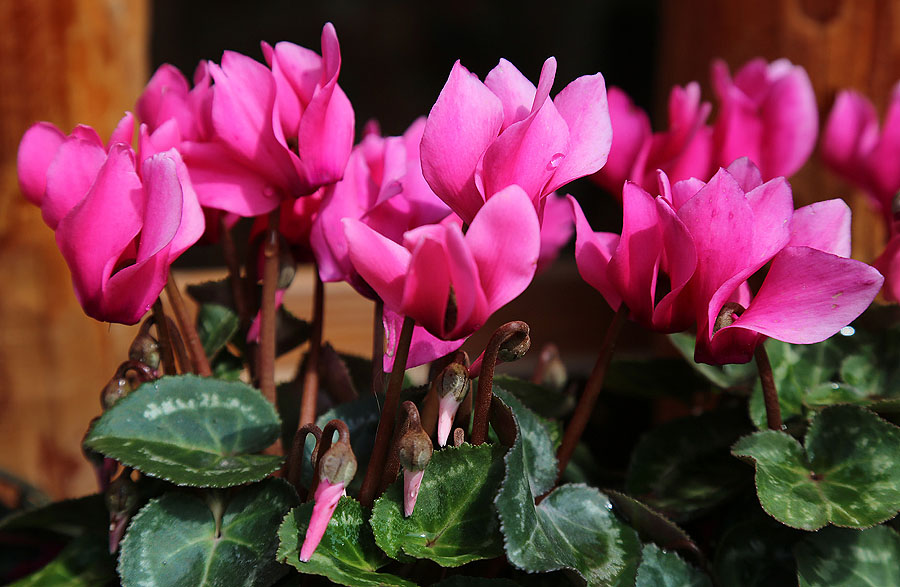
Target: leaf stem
591	392
165	339
388	413
311	372
199	362
511	332
770	392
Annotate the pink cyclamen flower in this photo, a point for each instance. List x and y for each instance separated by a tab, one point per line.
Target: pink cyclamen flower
683	151
253	135
448	282
481	138
704	240
120	222
768	113
325	500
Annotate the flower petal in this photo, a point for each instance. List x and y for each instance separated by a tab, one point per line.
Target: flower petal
824	226
69	177
516	93
381	262
36	152
593	251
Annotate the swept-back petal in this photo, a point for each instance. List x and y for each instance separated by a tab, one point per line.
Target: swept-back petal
630	127
426	290
36	151
69	177
593	251
790	121
466	118
824	226
516	93
380	261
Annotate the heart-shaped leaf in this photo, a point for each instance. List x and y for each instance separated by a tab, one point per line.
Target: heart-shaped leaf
666	569
216	325
543	400
839	557
849	474
758	552
572	528
71	517
454	520
84	562
683	468
347	553
172	540
191	431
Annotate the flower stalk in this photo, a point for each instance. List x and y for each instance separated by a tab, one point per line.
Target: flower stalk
266	351
165	339
770	392
199	361
311	372
509	343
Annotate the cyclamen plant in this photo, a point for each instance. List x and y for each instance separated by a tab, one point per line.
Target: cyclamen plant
209	474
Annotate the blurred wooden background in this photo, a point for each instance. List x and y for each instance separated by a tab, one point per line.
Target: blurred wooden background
71	61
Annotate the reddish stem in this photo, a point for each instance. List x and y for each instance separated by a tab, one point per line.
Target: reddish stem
184	359
503	335
388	413
165	340
770	392
588	398
266	352
311	373
199	362
229	251
378	348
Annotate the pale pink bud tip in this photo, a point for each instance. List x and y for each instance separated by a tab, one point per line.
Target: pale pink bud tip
325	501
447	408
412	480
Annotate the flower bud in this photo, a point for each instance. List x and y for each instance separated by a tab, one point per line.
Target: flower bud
145	349
454	380
730	312
414	449
338	464
121	500
117	388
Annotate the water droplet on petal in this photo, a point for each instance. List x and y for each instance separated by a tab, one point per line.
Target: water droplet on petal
848	331
554	161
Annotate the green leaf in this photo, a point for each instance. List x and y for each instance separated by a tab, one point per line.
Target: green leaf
838	557
216	325
543	400
652	526
666	569
757	553
572	528
172	540
463	581
849	474
72	517
227	366
651	378
84	562
454	521
683	468
347	553
191	431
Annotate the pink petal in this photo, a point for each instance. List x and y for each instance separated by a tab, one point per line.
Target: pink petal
824	226
447	408
224	183
583	106
885	174
381	262
412	480
325	502
634	264
809	295
96	232
463	122
888	263
69	177
773	207
427	287
424	347
516	93
791	123
165	98
36	152
527	154
850	134
557	229
674	312
505	240
746	173
593	251
471	301
630	127
253	331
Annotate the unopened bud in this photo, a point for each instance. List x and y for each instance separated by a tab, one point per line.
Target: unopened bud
414	449
145	349
454	380
730	312
514	347
116	389
122	494
338	464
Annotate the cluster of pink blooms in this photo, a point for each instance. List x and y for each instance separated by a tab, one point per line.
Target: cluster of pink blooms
450	221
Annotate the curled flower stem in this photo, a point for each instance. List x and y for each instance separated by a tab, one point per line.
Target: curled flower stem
293	466
266	358
386	421
511	332
199	362
378	348
229	251
770	393
311	373
588	398
342	450
165	340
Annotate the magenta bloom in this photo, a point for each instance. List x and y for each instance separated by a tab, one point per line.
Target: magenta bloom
325	500
768	113
251	135
704	240
481	138
683	151
448	282
119	222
